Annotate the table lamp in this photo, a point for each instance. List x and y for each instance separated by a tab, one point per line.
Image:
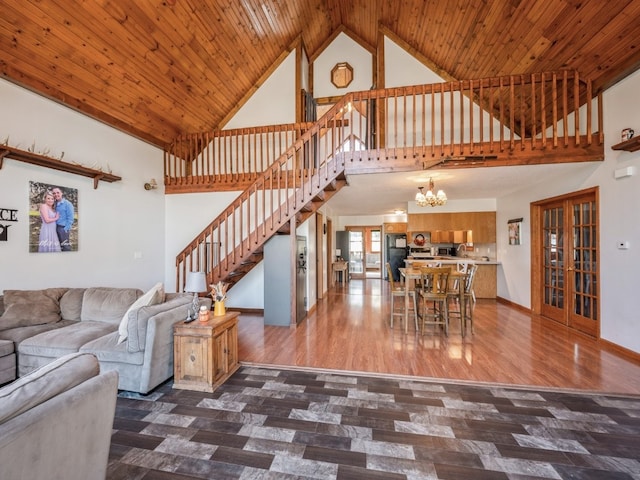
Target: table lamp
196	283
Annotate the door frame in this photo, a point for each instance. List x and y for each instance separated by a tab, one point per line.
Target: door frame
322	233
537	260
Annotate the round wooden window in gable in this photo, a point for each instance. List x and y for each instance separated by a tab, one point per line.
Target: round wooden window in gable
342	75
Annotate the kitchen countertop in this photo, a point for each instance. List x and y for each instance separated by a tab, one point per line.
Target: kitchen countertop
449	260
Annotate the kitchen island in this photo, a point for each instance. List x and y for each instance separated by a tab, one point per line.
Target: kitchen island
485	283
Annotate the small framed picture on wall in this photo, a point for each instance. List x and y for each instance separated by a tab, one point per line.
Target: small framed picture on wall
515	231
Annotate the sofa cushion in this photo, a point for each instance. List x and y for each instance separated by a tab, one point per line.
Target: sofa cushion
6	348
103	304
7	368
31	307
62	341
18	334
107	349
45	383
153	297
71	304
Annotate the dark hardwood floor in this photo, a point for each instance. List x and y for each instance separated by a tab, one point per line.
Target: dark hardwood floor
349	330
294	423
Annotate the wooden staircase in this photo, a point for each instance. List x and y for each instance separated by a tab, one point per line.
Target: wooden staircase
279	200
288	172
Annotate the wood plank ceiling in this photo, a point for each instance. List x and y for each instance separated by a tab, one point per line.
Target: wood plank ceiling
159	68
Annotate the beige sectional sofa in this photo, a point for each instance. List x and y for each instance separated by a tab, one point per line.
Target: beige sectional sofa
128	331
56	422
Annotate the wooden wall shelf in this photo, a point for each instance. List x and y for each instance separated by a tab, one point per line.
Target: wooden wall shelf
48	162
630	145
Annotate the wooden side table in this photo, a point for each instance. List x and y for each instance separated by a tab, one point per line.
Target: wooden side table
205	354
341	268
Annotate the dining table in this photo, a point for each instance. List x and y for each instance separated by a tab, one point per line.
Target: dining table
409	275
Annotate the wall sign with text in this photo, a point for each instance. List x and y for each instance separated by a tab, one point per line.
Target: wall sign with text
6	215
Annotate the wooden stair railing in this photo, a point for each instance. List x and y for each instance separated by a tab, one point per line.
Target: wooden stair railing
226	159
549	117
512	120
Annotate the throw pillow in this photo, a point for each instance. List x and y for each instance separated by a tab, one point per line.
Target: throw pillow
152	297
31	307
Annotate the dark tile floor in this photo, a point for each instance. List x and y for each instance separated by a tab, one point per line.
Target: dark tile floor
285	424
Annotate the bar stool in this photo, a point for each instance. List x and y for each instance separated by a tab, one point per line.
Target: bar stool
461	292
399	291
455	296
469	295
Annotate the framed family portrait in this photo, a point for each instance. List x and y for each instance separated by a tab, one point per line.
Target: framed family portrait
515	231
53	218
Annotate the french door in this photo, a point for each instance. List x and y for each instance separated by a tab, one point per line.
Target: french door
565	256
356	252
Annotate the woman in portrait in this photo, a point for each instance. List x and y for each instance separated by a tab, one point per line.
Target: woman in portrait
48	236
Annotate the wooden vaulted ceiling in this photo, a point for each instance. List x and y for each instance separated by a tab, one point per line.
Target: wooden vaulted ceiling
160	68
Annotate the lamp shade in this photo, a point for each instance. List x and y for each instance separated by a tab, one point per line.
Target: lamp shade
196	282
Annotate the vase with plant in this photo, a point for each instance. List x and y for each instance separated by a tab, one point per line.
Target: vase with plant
219	294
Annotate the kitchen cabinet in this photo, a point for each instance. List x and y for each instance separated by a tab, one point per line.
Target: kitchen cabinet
442	236
395	227
485	283
482	224
462	236
452	236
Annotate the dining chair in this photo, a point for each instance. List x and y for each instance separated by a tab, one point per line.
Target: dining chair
397	290
433	296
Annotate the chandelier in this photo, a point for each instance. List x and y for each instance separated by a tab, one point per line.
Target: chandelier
424	199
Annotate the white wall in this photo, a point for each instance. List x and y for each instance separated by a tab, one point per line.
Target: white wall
401	69
188	214
274	102
514	273
619	201
342	49
115	221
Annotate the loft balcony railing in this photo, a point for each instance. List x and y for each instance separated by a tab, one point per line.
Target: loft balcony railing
552	117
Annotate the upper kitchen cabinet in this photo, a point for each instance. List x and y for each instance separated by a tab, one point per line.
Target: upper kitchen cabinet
482	224
395	228
452	236
442	236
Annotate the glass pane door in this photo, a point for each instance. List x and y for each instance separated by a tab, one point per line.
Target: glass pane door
356	253
553	262
569	280
583	314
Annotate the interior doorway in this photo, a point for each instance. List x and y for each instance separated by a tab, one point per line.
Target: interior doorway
564	260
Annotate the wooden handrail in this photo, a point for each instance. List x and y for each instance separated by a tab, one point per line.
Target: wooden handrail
517	119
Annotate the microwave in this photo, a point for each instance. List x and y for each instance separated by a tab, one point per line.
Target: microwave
447	251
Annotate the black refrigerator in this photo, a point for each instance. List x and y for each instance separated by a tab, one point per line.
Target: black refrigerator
395	252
